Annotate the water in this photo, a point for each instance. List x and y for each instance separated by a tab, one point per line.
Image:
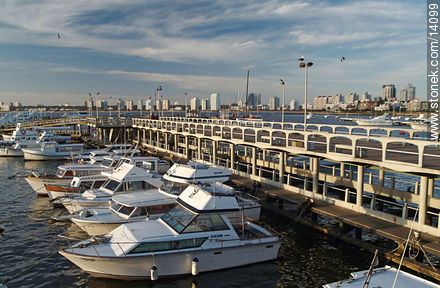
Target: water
309	259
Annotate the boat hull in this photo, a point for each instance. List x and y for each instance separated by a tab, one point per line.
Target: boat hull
96	228
38	183
134	267
58	191
43	157
74	206
10	152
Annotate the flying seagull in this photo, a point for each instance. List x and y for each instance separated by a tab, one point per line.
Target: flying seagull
301	59
58	34
342	58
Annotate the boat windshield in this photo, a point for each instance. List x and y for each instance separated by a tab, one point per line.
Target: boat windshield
178	218
107	162
171	187
111	185
60	172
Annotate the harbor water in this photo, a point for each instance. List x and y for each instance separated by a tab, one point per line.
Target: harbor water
307	258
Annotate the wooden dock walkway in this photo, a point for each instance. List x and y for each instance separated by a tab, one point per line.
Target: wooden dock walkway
366	222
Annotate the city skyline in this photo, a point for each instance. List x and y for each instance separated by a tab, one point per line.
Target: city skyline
126	49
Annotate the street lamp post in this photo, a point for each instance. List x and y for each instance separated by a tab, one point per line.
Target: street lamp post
158	97
282	103
305	64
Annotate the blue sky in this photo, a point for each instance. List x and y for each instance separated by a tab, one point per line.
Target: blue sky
126	49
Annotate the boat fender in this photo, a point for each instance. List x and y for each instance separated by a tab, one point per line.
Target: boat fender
153	273
23	131
194	266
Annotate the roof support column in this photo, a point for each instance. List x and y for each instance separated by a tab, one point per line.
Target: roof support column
423	199
360	185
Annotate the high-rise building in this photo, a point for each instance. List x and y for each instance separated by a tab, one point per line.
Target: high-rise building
274	103
130	105
166	104
319	102
338	98
403	95
205	104
294	104
140	105
351	98
215	102
364	97
90	104
254	99
410	92
388	91
195	103
102	104
148	104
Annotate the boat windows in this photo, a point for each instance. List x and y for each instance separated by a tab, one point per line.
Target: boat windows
126	210
148	247
107	162
178	218
111	185
60	172
115	206
160	209
206	222
97	184
140	211
174	188
138	185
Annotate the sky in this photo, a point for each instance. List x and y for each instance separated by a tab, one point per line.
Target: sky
128	48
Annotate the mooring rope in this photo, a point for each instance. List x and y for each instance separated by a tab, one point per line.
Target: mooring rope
27	269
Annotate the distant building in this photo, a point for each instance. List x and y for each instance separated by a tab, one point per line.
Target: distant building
411	92
408	93
90	104
205	104
84	103
274	103
338	98
130	105
319	102
364	97
351	98
101	104
17	104
294	105
195	103
148	104
140	105
120	104
166	104
254	99
403	95
388	92
215	102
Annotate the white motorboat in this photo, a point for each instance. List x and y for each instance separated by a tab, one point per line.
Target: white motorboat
53	151
17	145
80	184
63	176
422	126
179	176
378	121
112	149
195	236
126	177
124	208
32	135
383	277
138	205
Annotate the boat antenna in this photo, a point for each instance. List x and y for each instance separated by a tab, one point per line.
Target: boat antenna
247	90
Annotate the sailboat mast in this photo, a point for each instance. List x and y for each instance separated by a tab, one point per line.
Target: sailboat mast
247	89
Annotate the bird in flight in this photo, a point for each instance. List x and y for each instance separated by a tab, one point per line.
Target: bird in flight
342	58
58	34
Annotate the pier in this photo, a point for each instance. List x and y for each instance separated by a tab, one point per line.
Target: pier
355	173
